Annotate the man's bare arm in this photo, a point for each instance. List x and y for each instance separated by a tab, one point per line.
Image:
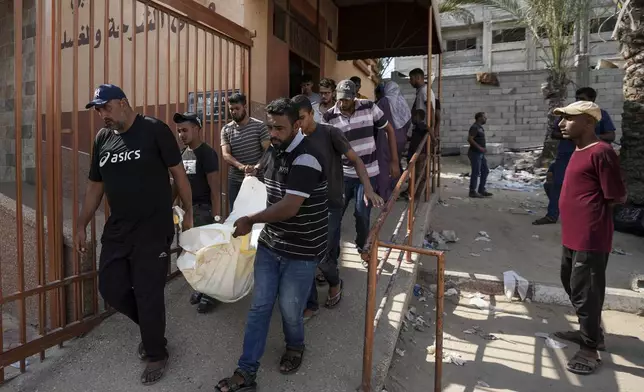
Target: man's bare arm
185	192
213	184
361	170
280	211
265	144
93	196
230	159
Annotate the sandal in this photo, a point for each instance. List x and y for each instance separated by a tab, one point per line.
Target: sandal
291	360
546	220
231	386
140	351
320	279
582	364
575	337
332	302
154	371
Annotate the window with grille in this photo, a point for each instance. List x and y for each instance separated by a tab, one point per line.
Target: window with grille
508	35
454	45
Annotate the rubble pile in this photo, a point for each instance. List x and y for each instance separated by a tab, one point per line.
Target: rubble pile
518	172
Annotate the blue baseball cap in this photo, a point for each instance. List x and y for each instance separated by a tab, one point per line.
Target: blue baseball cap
105	93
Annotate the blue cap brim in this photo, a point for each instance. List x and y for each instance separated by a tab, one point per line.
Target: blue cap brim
96	102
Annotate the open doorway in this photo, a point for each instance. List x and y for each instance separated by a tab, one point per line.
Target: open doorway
297	68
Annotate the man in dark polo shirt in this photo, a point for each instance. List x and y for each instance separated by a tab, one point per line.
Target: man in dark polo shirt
593	185
332	146
131	158
292	243
356	118
202	165
243	142
476	153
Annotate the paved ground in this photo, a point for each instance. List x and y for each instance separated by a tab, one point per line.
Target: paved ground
518	361
531	251
205	348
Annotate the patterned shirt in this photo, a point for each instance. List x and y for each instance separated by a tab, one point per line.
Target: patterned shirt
359	130
245	144
297	170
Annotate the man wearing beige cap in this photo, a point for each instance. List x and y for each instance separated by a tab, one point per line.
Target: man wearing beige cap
592	186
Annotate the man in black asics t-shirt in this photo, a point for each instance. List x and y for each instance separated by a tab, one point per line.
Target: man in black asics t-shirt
202	165
130	161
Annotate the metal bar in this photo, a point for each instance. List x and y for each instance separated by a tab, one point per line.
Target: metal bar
212	114
407	248
196	71
157	20
121	33
75	257
205	85
91	138
54	336
430	108
178	92
185	76
235	69
440	297
51	286
134	51
20	259
438	136
168	73
370	314
58	255
145	59
225	96
40	253
51	187
223	167
106	68
410	209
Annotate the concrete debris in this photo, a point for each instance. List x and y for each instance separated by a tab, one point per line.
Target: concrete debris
451	292
473	295
544	321
487	249
400	352
439	241
513	281
481	303
431	350
489	336
422	299
621	252
483	236
535	236
475	255
518	172
482	384
453	358
441	202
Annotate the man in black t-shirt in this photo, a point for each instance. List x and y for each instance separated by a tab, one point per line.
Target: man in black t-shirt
202	165
291	244
131	157
476	153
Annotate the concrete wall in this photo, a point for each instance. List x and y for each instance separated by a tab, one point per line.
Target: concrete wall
516	109
7	91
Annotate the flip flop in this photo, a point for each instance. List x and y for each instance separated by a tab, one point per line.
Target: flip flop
332	302
583	365
154	375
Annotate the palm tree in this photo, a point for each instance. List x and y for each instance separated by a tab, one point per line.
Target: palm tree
551	25
630	33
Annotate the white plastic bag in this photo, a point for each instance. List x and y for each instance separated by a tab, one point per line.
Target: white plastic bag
215	263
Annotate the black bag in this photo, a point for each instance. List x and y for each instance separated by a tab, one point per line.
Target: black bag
629	219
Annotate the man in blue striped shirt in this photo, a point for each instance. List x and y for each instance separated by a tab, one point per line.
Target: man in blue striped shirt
292	243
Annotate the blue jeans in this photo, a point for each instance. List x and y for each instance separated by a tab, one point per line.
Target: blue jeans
329	266
479	169
353	188
233	190
289	282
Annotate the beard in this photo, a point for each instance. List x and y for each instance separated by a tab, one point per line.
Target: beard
239	117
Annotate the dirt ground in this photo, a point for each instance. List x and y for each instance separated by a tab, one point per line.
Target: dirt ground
517	360
532	251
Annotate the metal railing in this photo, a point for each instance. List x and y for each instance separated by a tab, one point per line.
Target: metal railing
168	56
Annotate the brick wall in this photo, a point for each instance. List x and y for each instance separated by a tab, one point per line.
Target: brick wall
515	109
7	91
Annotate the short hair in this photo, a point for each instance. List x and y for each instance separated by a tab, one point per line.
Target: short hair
302	102
237	99
328	83
479	115
283	107
417	72
356	80
587	91
306	78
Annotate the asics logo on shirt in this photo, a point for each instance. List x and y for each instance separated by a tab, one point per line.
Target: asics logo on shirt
119	157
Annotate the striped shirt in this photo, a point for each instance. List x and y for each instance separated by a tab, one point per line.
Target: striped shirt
245	144
297	170
359	130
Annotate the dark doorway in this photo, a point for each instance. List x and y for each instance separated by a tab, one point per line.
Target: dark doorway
298	67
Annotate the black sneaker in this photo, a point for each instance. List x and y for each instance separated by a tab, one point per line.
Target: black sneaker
475	195
195	298
485	194
206	304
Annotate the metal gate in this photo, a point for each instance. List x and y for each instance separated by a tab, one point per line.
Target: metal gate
168	56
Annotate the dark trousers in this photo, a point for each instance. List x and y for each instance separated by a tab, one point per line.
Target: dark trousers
202	215
132	281
233	190
479	170
329	266
583	275
553	192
